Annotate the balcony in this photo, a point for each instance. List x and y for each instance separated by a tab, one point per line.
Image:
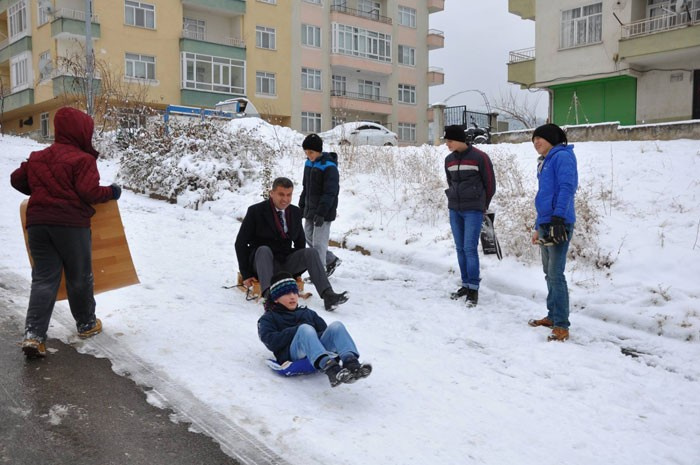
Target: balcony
353	101
354	63
226	7
436	76
219	46
69	23
523	8
17	100
655	41
372	15
205	37
436	39
521	67
8	50
436	5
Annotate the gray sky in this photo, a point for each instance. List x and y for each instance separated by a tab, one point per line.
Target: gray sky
478	37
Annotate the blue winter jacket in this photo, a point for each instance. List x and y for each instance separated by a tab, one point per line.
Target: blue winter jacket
278	326
558	181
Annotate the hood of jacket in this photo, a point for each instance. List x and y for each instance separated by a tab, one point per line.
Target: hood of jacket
74	127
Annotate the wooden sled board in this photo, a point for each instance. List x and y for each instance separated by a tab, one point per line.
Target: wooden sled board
112	266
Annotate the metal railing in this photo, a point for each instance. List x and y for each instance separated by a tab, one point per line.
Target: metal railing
360	96
78	15
525	54
436	32
373	14
436	69
661	23
201	36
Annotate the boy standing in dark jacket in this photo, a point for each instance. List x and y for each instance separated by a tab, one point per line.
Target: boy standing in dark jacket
319	198
62	181
471	185
292	333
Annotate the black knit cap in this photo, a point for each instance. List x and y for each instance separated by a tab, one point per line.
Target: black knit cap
313	142
455	132
551	133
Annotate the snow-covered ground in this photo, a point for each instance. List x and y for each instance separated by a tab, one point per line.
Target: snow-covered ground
451	385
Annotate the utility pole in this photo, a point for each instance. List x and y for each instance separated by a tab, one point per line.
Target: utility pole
89	58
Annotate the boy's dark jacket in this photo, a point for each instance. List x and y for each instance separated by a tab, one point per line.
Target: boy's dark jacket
277	327
471	182
62	180
319	195
261	227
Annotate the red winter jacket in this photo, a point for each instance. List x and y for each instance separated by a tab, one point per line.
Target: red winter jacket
62	180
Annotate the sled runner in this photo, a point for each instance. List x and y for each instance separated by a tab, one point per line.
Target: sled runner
298	367
112	266
489	241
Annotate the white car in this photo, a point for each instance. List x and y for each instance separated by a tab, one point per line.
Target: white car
360	133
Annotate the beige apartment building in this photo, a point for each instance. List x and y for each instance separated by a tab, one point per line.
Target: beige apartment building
307	64
632	61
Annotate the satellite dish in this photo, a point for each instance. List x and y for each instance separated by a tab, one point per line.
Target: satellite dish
47	6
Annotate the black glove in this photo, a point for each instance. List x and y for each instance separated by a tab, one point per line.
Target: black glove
557	231
116	191
318	221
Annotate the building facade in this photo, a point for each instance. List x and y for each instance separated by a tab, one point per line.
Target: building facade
307	64
632	61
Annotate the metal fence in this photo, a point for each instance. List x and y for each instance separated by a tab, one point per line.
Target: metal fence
460	115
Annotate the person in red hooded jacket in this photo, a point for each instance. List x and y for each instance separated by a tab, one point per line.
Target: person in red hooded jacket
62	182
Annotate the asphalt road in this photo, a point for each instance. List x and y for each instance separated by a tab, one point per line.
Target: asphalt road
70	408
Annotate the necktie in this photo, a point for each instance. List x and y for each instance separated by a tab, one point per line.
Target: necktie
280	215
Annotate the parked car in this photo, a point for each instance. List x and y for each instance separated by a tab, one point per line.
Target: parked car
360	133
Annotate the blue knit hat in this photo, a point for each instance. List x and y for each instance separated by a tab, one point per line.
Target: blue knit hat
282	283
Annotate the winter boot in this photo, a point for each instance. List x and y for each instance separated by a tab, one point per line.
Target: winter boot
546	322
558	334
336	374
459	293
331	300
472	297
357	369
90	329
331	267
33	348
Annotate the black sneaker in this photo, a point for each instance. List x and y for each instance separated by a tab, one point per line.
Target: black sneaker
336	374
331	300
330	268
459	293
472	297
357	369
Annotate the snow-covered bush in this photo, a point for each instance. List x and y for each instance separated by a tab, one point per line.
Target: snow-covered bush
190	161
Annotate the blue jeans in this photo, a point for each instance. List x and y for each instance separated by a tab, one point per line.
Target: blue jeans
553	264
466	228
335	341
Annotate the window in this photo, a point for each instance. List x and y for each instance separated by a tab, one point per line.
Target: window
265	83
310	122
271	2
407	132
336	120
368	89
44	125
20	71
313	1
310	79
139	14
349	40
17	20
265	37
581	26
407	16
213	74
407	93
369	8
194	28
45	65
310	35
140	66
339	86
42	15
407	55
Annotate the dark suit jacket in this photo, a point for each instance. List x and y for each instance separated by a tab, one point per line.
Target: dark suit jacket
260	228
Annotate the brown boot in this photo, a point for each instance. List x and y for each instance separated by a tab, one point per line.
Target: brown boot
559	334
541	322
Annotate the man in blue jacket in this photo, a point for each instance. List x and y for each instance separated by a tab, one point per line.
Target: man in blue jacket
557	178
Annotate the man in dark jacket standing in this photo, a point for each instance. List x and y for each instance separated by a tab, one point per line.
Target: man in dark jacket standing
471	185
319	198
62	181
271	239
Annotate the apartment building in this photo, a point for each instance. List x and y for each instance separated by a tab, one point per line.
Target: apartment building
633	61
307	64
